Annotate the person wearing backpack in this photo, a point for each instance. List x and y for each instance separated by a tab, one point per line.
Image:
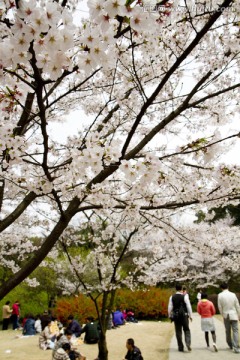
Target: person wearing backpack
180	311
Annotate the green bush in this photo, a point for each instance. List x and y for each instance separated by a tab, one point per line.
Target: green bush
31	301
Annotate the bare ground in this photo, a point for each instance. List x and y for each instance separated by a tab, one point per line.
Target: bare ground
153	338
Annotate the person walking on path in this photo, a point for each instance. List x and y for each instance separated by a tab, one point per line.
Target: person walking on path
229	308
199	295
180	311
184	290
206	309
6	313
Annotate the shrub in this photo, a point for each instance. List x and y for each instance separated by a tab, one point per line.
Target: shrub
30	300
79	306
146	304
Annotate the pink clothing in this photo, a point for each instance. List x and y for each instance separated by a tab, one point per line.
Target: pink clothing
205	308
124	314
15	309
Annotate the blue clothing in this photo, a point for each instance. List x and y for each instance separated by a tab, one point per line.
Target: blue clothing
118	318
75	327
29	327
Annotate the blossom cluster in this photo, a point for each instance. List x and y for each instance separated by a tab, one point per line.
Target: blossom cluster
156	100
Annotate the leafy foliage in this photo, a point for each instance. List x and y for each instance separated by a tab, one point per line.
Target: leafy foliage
220	213
150	303
31	299
79	306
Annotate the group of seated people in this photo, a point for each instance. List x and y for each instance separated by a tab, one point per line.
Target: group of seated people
118	318
63	341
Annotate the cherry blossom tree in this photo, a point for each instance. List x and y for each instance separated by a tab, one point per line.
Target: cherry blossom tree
110	252
156	85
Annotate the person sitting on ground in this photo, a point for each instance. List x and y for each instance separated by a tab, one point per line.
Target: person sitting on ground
38	325
124	312
109	317
130	316
206	309
45	318
62	353
29	326
46	338
91	330
134	352
118	318
54	327
74	326
64	339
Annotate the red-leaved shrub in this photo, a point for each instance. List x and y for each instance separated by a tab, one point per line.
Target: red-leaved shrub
149	304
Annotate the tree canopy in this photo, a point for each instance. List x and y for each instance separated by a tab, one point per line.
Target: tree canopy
156	90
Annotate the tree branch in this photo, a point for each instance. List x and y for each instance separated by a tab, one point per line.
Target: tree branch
177	63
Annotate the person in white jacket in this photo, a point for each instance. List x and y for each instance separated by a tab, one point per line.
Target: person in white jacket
229	308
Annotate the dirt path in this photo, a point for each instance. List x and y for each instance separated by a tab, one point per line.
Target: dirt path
153	338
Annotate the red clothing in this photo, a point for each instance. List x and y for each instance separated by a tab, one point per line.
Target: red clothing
15	309
206	308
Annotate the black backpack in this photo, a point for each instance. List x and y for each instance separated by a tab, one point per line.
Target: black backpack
179	313
179	309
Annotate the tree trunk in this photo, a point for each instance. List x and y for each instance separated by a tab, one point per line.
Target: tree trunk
42	252
103	318
102	347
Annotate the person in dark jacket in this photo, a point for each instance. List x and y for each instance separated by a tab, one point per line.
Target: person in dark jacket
91	331
29	326
74	326
45	318
176	303
134	352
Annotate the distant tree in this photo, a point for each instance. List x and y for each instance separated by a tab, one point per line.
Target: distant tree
219	213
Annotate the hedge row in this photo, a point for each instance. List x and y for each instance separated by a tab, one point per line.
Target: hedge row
149	304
